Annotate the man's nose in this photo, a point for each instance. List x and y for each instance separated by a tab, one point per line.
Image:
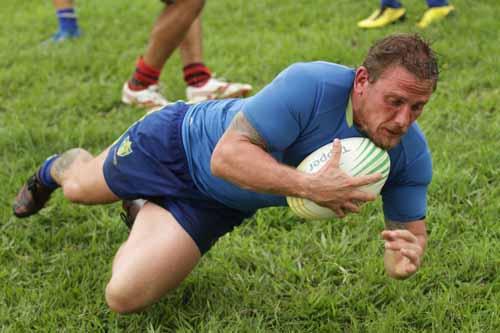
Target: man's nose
403	117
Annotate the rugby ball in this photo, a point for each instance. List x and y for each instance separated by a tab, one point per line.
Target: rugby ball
359	157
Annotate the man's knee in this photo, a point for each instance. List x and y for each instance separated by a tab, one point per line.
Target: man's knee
122	298
118	300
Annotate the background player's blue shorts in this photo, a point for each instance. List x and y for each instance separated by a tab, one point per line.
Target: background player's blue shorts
148	161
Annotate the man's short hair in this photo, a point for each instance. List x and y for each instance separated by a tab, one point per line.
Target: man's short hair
407	50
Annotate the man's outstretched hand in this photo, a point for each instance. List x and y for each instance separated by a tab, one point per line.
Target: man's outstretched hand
403	253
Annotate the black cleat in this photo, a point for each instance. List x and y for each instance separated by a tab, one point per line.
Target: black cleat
31	198
131	208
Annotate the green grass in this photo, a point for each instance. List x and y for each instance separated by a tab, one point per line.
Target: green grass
276	272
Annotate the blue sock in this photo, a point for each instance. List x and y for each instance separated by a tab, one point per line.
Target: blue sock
67	20
437	3
390	4
44	173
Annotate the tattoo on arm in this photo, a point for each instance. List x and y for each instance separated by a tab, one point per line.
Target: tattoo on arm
393	225
241	125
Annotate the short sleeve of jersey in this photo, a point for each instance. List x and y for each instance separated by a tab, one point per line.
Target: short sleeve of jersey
405	197
284	107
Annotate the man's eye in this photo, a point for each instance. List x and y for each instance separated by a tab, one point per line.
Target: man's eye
396	102
417	108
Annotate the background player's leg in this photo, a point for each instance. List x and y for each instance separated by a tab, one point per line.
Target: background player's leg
390	3
168	32
191	47
61	4
438	10
170	29
156	258
390	11
198	77
68	23
437	3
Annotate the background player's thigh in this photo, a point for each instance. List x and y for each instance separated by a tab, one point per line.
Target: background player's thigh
156	258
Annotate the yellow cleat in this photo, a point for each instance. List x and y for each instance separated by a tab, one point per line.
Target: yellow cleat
434	14
382	17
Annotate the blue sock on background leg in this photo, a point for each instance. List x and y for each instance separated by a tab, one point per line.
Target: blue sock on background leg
390	4
44	173
437	3
67	20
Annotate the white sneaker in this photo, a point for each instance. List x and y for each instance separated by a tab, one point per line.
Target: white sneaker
149	97
216	89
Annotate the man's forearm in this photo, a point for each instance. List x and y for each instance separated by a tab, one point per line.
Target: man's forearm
257	170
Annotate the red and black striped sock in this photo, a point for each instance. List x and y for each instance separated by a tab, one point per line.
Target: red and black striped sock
196	74
144	76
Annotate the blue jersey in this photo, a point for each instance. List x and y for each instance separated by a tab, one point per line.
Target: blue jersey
302	109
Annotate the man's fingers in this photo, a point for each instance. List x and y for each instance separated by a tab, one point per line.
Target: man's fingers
405	234
410	269
409	251
398	245
405	268
339	212
351	207
362	196
387	235
367	179
412	256
391	235
336	153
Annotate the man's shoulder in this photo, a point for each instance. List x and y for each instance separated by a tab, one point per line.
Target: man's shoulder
321	71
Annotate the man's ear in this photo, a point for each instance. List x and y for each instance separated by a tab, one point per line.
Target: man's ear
360	80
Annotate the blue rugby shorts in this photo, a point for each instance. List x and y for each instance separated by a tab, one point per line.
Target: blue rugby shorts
148	161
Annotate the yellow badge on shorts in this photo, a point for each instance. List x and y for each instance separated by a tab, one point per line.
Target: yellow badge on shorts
125	147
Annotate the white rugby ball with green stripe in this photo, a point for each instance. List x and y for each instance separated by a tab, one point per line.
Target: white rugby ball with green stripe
359	157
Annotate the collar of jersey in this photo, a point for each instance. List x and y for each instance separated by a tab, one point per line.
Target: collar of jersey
348	112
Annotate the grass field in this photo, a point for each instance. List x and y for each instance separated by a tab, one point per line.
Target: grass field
276	273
